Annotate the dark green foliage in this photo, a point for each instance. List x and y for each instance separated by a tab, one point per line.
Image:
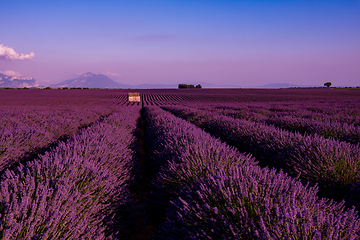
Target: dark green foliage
182	85
186	86
327	84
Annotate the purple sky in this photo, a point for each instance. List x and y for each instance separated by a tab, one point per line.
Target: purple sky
243	43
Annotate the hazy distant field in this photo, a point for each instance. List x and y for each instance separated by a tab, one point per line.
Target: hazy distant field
180	164
208	96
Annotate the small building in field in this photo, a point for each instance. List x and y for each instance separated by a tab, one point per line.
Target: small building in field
134	97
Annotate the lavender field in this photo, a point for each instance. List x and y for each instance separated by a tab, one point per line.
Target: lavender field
180	164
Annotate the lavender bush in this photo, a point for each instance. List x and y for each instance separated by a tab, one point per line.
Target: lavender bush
73	191
343	111
331	164
253	203
287	119
24	130
164	142
213	196
327	129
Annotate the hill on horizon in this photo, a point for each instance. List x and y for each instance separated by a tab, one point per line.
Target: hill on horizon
91	80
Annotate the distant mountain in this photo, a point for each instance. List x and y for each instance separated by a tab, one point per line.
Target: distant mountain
284	85
91	80
17	82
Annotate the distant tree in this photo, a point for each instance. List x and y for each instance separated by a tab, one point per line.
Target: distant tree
47	88
198	86
186	85
327	84
65	88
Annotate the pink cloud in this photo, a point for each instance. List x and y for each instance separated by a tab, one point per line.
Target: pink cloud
7	53
11	73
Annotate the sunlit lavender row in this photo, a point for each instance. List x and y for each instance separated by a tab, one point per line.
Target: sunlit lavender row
331	164
24	130
327	129
342	111
216	192
324	124
77	190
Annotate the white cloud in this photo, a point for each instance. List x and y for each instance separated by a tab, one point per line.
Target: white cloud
7	53
111	74
11	73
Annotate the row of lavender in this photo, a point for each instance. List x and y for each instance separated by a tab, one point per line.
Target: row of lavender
211	191
327	129
24	130
330	120
76	190
344	111
330	164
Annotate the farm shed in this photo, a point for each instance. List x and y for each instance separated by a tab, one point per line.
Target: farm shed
134	97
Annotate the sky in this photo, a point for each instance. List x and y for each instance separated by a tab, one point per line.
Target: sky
240	43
